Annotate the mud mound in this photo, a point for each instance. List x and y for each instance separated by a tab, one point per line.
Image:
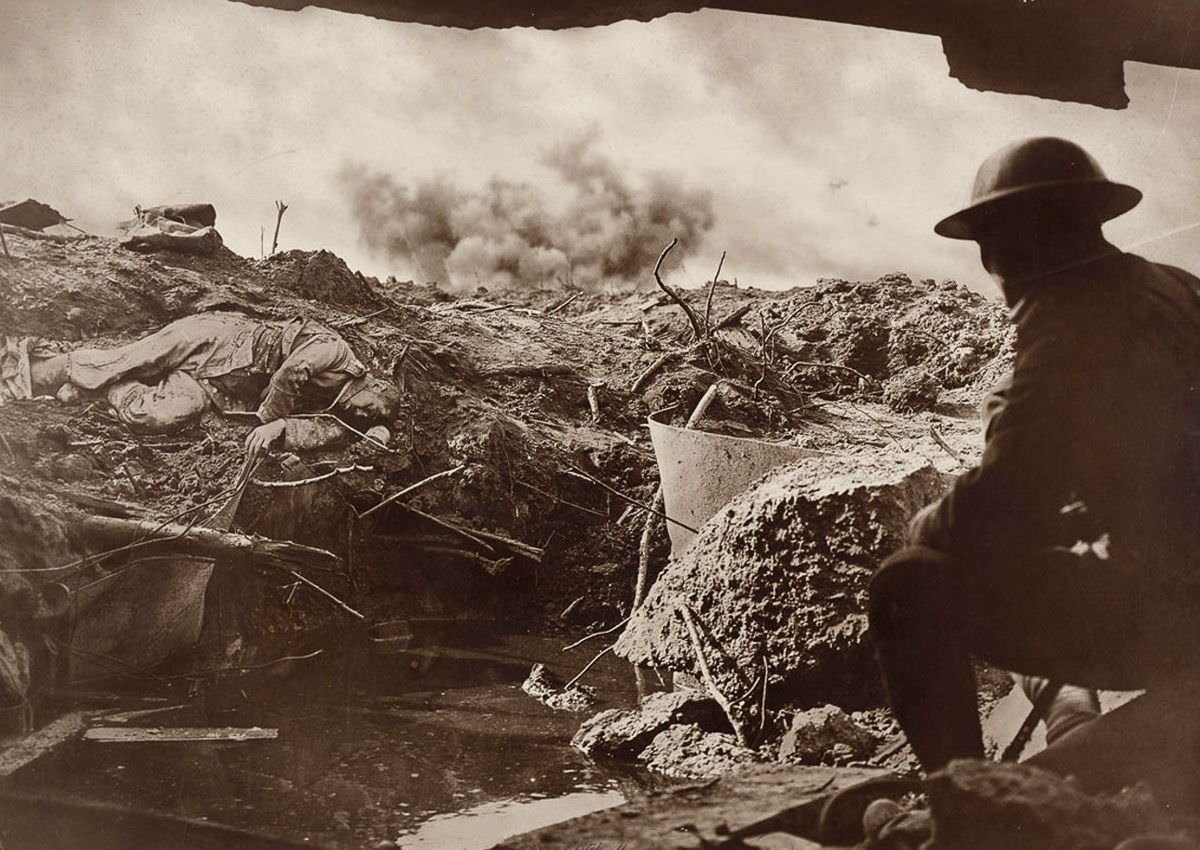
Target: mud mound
896	330
33	540
1023	806
780	574
320	275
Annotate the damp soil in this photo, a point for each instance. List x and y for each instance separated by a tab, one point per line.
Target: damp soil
435	746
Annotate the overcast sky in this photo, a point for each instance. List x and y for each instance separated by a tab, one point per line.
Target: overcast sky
828	150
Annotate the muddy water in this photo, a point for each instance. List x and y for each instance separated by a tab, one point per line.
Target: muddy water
435	747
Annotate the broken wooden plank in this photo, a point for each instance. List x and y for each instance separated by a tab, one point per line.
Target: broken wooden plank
37	744
138	713
177	734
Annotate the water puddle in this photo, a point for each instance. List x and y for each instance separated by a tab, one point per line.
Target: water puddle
433	747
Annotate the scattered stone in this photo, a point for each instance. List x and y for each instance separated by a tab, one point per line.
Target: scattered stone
624	733
825	735
783	570
686	751
547	687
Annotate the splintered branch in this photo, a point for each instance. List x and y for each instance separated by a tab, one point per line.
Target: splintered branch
207	542
280	209
697	328
937	438
640	383
589	665
412	488
689	620
708	304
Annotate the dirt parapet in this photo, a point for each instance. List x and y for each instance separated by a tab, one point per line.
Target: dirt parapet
779	578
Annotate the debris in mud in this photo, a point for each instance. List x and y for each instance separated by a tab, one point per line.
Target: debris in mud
623	734
685	751
546	686
825	735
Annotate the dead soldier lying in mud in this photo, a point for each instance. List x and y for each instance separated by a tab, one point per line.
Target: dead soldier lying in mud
234	363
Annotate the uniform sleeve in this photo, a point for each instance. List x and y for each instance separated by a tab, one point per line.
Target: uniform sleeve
1036	439
293	374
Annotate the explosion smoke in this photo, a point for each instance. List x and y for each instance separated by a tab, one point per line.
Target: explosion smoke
608	232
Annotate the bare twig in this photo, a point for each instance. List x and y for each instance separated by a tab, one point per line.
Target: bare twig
762	709
137	488
12	456
481	539
559	499
675	296
339	603
234	668
734	317
649	527
576	471
708	329
412	488
384	446
555	309
17	230
937	438
586	638
529	551
689	620
302	482
358	320
702	405
651	370
280	209
589	665
453	528
4	244
796	364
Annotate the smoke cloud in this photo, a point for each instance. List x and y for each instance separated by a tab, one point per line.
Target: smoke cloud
597	228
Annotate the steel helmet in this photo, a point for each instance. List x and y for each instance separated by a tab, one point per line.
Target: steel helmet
1046	167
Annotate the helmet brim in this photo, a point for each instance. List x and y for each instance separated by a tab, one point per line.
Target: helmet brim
1098	199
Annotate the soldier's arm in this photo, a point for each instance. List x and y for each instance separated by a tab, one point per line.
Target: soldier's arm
1036	440
294	373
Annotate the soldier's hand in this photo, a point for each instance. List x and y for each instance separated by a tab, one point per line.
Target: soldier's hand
261	438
